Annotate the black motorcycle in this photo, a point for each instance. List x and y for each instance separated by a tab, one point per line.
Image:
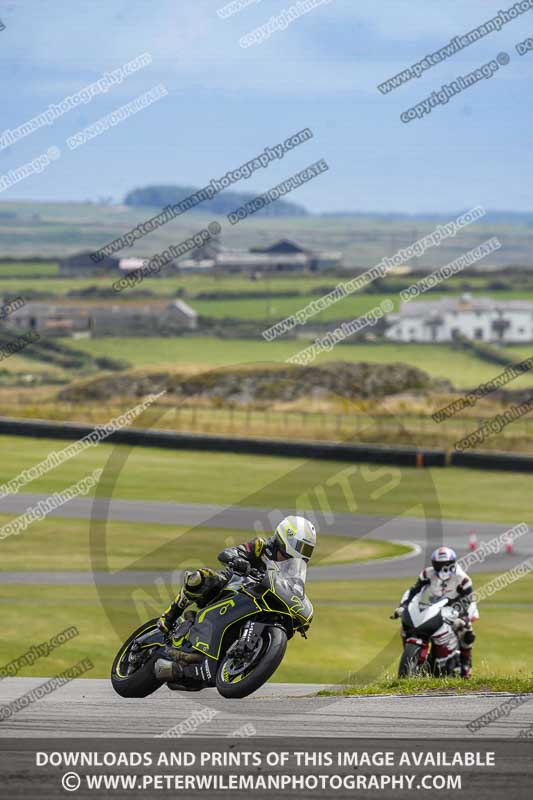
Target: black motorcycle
238	640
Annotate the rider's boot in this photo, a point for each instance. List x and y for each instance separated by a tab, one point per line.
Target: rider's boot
466	663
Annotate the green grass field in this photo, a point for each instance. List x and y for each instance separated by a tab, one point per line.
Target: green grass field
61	544
351	630
44	269
273	309
356	305
277	482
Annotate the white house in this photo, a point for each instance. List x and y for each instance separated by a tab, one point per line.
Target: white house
479	318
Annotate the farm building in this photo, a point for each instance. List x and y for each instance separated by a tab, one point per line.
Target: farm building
124	319
474	317
81	264
283	256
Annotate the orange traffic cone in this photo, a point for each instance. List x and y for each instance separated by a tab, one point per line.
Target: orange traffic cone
472	540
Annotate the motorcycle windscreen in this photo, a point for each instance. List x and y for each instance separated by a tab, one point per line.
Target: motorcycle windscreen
212	622
425	612
427	598
287	581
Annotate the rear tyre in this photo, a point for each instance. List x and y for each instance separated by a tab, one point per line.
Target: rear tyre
235	679
410	661
142	682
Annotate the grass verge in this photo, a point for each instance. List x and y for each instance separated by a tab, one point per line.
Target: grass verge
520	684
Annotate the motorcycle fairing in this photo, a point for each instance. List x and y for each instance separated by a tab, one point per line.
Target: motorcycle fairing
207	632
292	595
424	613
282	592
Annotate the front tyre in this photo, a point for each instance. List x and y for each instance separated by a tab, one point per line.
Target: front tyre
238	677
410	661
142	681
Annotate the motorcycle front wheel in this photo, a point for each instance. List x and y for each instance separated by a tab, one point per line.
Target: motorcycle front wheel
238	677
410	661
142	681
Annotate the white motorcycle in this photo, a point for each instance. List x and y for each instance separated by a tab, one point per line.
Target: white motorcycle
431	626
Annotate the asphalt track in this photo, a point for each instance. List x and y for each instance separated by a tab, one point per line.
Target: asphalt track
88	707
421	534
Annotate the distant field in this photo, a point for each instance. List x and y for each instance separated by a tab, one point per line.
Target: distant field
45	269
56	286
265	309
350	307
53	228
197	283
276	308
169	286
440	361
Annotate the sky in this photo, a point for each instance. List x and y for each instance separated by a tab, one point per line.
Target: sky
227	103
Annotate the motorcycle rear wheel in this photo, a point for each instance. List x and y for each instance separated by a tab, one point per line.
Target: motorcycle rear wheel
233	683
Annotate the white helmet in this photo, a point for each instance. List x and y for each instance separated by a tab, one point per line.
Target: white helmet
296	537
443	560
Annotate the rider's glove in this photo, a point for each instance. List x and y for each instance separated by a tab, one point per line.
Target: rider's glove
162	624
459	625
398	613
241	566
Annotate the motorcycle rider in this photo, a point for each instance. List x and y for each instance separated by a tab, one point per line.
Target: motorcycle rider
447	578
295	537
